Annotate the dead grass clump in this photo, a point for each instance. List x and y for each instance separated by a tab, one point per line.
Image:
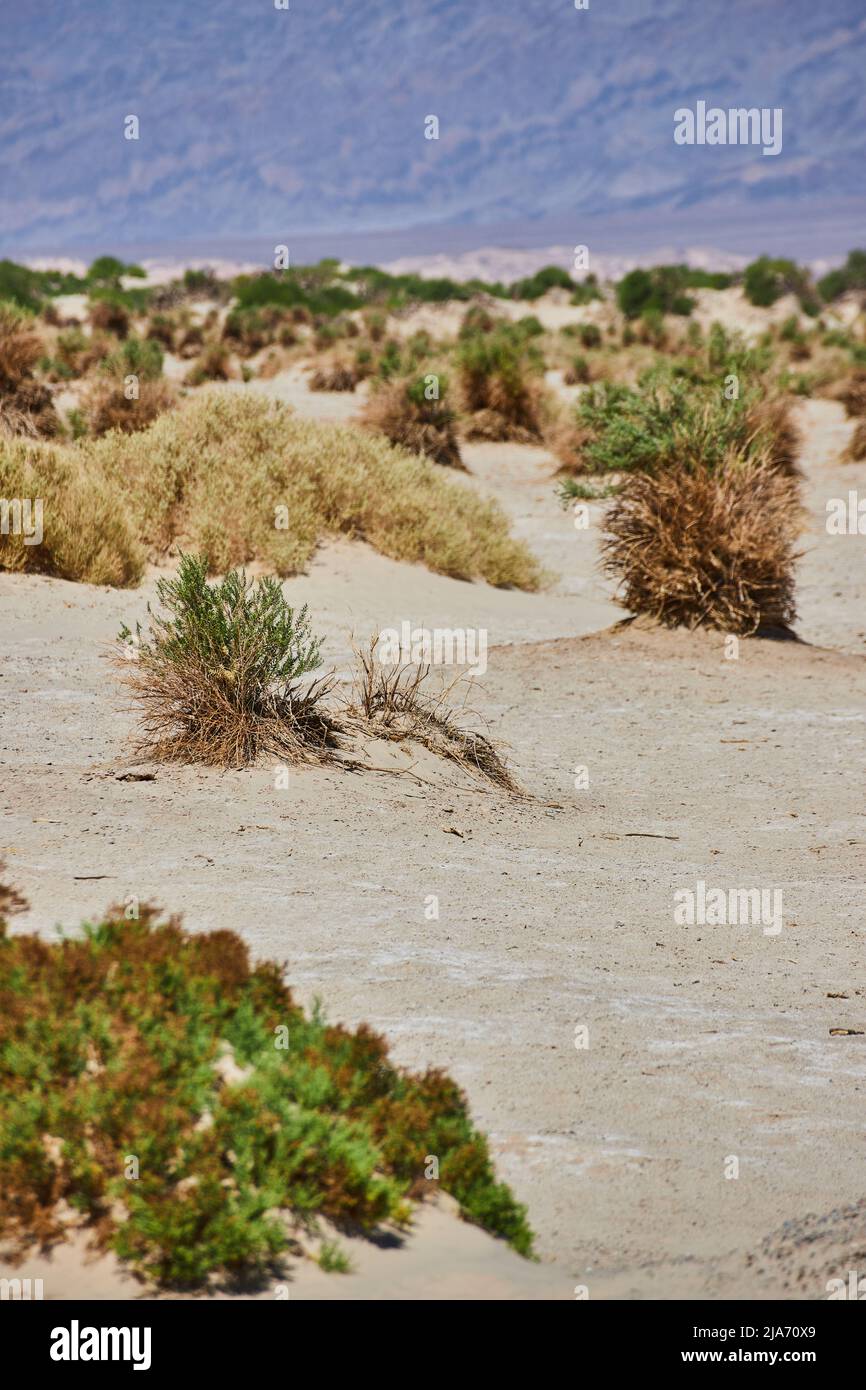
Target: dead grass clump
216	678
771	429
214	364
87	533
715	549
337	375
108	316
20	347
402	412
26	405
856	449
107	406
852	393
395	702
499	385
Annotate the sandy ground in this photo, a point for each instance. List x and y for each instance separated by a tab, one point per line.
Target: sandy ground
704	1043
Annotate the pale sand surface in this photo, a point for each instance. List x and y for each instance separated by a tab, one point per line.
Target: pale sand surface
704	1042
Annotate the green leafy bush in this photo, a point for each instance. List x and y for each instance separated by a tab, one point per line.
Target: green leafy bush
140	1039
766	280
850	276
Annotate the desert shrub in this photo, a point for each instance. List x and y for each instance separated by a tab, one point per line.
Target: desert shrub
20	346
497	373
394	701
337	375
479	319
390	361
108	403
766	280
856	449
109	315
403	411
697	548
548	278
586	290
241	478
73	354
590	335
669	421
161	329
851	276
577	372
88	535
661	289
29	288
852	393
213	364
116	1041
216	677
26	406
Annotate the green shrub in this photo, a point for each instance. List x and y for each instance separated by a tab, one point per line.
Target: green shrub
851	276
111	1045
766	280
660	289
548	278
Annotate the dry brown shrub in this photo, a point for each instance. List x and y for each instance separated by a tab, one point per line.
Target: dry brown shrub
106	407
493	426
109	317
695	548
189	717
852	393
771	427
566	439
338	375
214	364
856	450
10	900
395	702
421	426
20	347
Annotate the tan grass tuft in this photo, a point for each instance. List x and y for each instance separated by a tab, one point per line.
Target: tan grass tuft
694	548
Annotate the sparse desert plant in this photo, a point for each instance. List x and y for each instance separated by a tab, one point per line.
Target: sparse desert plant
479	319
396	701
337	375
696	548
852	393
590	335
577	373
109	316
213	364
217	675
498	375
20	346
129	392
406	415
26	406
115	1041
87	533
856	449
109	404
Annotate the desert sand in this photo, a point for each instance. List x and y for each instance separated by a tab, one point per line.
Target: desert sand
555	913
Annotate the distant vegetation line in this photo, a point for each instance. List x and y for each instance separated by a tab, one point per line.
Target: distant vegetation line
326	288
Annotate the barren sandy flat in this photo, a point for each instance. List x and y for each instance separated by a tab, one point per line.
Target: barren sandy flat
705	1043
